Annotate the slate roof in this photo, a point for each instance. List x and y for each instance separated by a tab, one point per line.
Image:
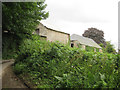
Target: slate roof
84	40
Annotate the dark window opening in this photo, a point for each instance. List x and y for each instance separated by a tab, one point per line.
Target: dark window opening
72	45
37	31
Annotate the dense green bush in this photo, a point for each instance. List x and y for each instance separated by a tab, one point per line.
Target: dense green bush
90	49
97	49
54	65
109	48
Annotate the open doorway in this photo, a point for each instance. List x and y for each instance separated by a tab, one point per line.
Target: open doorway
72	45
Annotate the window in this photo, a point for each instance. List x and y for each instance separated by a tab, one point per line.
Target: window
72	45
37	31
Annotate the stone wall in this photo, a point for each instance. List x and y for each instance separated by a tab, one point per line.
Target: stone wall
100	50
75	43
53	35
42	30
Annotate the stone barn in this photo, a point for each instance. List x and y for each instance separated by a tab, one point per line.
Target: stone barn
84	42
52	35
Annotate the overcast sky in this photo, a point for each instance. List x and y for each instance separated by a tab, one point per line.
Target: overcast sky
76	16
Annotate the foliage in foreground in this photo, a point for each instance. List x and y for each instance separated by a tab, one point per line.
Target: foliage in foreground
19	20
22	18
53	65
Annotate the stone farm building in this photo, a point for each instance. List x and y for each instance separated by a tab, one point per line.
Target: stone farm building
52	35
84	42
76	40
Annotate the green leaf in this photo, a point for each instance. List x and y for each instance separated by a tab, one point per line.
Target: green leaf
58	78
102	76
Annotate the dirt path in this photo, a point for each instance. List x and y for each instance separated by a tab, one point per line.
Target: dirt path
9	79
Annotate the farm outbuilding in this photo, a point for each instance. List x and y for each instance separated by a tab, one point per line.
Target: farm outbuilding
84	42
52	35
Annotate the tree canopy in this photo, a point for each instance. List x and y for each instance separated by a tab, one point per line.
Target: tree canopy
96	35
109	48
22	18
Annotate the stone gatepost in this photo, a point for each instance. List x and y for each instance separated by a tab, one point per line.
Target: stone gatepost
84	47
100	50
94	49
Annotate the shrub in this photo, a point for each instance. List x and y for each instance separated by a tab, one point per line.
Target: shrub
19	68
54	65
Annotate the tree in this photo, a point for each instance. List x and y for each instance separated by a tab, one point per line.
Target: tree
96	35
109	47
22	18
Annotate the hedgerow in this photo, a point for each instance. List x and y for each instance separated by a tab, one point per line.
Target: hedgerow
54	65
